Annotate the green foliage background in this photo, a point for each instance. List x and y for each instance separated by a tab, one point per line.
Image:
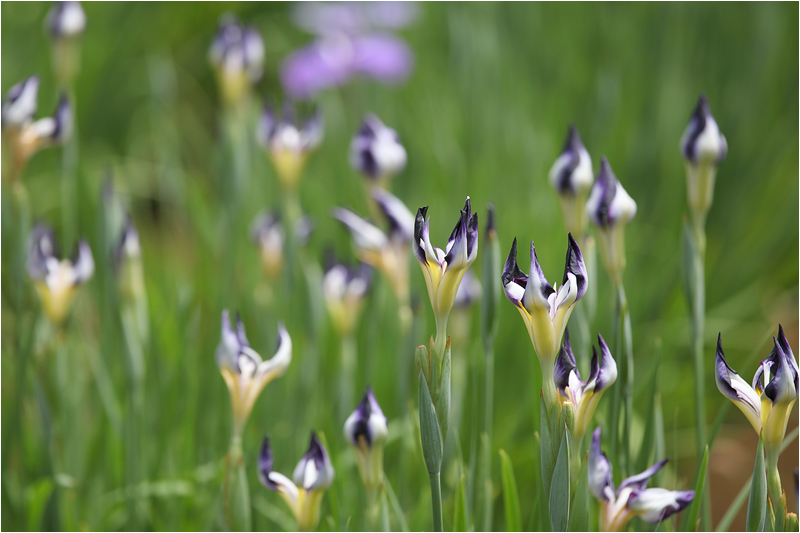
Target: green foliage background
484	114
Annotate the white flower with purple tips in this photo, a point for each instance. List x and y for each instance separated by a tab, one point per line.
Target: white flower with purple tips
312	476
344	289
632	498
376	152
65	20
268	233
289	140
703	147
365	429
243	370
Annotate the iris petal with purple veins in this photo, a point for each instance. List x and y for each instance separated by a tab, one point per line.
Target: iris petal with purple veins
572	171
702	138
314	471
367	422
20	102
401	220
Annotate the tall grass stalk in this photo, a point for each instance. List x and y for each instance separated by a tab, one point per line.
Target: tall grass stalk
622	400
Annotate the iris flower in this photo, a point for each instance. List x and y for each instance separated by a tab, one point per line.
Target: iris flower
344	290
376	151
632	498
268	233
288	141
768	403
610	207
57	280
347	45
544	308
365	429
237	55
312	476
25	135
65	20
703	147
583	395
243	370
444	269
572	176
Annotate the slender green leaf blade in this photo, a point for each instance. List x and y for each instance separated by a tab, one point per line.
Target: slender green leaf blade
546	450
690	521
429	428
757	503
559	488
510	496
579	510
460	513
643	460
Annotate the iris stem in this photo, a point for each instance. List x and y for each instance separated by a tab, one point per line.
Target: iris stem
436	498
69	160
698	330
623	345
486	444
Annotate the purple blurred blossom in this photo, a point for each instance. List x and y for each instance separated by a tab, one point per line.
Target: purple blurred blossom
347	45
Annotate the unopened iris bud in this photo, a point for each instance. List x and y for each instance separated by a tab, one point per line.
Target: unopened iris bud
128	260
365	429
243	370
632	498
572	176
769	401
268	233
376	151
703	147
312	477
610	207
57	280
288	142
583	395
65	20
237	55
545	309
344	290
444	269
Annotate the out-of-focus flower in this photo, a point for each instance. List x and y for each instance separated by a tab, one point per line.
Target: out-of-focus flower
25	135
545	309
243	370
583	395
268	233
365	429
386	252
237	55
347	45
128	260
632	498
469	291
572	176
344	290
312	477
444	269
769	401
288	142
703	147
65	20
376	152
57	280
610	207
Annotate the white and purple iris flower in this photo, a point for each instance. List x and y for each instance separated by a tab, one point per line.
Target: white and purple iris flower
365	429
268	233
344	289
572	176
57	280
351	40
388	252
610	207
768	402
376	152
28	136
243	370
289	140
703	147
444	269
632	498
65	20
544	308
237	55
583	395
312	476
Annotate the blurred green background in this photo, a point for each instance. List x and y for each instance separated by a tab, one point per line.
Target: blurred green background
484	114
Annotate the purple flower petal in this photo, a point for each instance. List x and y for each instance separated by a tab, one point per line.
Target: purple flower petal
384	57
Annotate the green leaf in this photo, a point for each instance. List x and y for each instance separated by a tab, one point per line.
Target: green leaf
690	520
650	430
689	249
423	361
38	494
579	511
429	429
559	488
510	496
460	517
757	503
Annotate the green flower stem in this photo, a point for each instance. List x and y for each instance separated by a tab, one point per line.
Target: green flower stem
486	440
348	368
235	491
69	163
436	498
698	329
622	398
